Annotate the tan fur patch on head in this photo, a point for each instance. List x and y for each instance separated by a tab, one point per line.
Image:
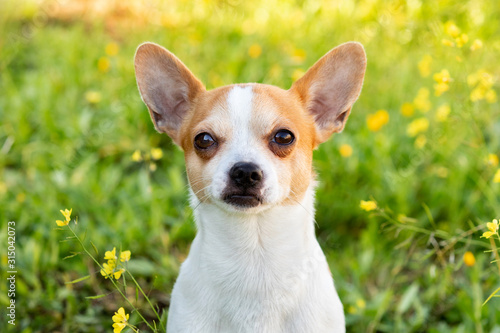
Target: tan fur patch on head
276	109
207	115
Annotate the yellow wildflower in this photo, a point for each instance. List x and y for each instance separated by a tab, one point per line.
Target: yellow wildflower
61	223
112	49
367	205
156	153
469	259
93	97
443	80
477	94
407	109
424	65
117	274
492	159
345	150
103	64
447	42
67	214
136	156
360	303
451	29
108	268
442	77
420	141
255	51
152	167
476	45
417	126
110	255
462	40
440	88
125	256
376	120
496	177
120	320
492	227
421	101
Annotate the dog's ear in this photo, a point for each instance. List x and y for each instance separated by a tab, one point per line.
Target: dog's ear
331	86
167	87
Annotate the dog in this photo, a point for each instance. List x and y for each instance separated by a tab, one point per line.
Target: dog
255	264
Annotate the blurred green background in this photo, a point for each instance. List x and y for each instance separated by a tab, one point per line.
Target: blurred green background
422	141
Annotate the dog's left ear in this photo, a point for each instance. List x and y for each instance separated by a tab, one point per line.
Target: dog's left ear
167	87
331	86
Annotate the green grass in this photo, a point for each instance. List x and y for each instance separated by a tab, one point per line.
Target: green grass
58	150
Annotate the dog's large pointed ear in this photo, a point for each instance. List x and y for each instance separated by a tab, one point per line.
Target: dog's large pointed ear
167	87
331	86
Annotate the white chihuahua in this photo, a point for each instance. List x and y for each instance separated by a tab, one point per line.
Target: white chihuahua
255	264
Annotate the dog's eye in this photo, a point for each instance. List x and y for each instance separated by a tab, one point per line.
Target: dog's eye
284	137
203	141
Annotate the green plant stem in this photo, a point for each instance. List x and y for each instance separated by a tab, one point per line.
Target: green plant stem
146	297
495	251
111	279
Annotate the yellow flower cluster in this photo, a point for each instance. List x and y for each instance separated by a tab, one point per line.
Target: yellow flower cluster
67	217
443	80
368	205
111	269
376	120
482	83
492	229
154	155
120	320
417	126
459	39
104	63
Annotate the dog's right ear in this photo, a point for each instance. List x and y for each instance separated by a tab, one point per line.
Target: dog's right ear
167	87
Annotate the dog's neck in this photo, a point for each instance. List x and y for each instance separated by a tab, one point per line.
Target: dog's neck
283	232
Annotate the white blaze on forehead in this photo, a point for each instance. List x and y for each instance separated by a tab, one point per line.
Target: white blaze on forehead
239	102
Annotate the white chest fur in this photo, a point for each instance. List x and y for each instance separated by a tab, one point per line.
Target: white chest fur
255	273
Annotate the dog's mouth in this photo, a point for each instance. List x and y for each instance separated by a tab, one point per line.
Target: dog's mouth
243	199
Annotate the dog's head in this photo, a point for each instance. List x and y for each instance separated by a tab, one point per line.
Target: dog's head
249	146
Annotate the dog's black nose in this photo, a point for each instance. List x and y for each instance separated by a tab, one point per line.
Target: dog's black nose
246	174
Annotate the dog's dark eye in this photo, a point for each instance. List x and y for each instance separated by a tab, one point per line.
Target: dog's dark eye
203	141
283	137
